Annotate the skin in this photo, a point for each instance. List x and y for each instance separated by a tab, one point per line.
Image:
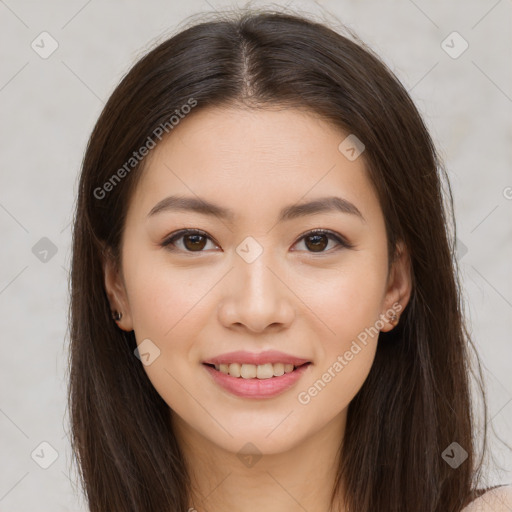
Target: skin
196	305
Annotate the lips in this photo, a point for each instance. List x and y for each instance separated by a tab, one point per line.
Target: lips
243	357
254	386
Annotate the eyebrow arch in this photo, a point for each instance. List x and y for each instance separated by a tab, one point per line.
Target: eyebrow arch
204	207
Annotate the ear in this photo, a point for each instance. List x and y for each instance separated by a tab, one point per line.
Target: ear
399	286
116	292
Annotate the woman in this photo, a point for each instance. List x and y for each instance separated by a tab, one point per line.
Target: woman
265	308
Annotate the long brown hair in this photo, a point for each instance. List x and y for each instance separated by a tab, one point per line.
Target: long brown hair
416	400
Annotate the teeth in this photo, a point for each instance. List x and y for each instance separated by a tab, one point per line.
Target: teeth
234	369
248	371
252	371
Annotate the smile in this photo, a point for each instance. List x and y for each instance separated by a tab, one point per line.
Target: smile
253	371
256	381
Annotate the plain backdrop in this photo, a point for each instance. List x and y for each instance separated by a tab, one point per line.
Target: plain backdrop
49	104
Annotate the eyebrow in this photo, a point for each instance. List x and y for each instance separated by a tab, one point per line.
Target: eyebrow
204	207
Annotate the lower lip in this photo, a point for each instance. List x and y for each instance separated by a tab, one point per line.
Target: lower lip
257	388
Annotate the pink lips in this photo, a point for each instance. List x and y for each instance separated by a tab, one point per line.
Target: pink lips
256	388
269	356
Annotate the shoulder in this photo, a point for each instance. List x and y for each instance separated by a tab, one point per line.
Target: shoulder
498	499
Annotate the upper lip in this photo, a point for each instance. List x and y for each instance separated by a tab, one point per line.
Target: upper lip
268	356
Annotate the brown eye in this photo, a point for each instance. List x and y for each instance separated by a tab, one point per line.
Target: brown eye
194	242
187	240
317	243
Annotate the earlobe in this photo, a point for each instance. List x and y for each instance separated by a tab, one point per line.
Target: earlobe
116	294
399	287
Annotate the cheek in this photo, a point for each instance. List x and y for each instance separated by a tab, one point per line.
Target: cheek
165	300
350	299
346	352
348	305
169	308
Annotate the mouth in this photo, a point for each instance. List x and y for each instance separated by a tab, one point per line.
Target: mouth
250	381
256	371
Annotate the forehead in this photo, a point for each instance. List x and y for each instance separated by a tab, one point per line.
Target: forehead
252	159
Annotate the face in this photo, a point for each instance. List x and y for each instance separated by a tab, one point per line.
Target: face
258	273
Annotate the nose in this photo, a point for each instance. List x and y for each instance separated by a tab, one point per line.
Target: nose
256	297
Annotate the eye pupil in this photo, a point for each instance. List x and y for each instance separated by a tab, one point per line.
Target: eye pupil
196	244
320	243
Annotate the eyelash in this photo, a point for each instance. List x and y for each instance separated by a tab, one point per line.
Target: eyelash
343	243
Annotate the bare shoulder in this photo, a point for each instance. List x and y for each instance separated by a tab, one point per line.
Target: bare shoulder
498	499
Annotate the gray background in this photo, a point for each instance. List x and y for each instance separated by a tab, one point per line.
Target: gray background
49	106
